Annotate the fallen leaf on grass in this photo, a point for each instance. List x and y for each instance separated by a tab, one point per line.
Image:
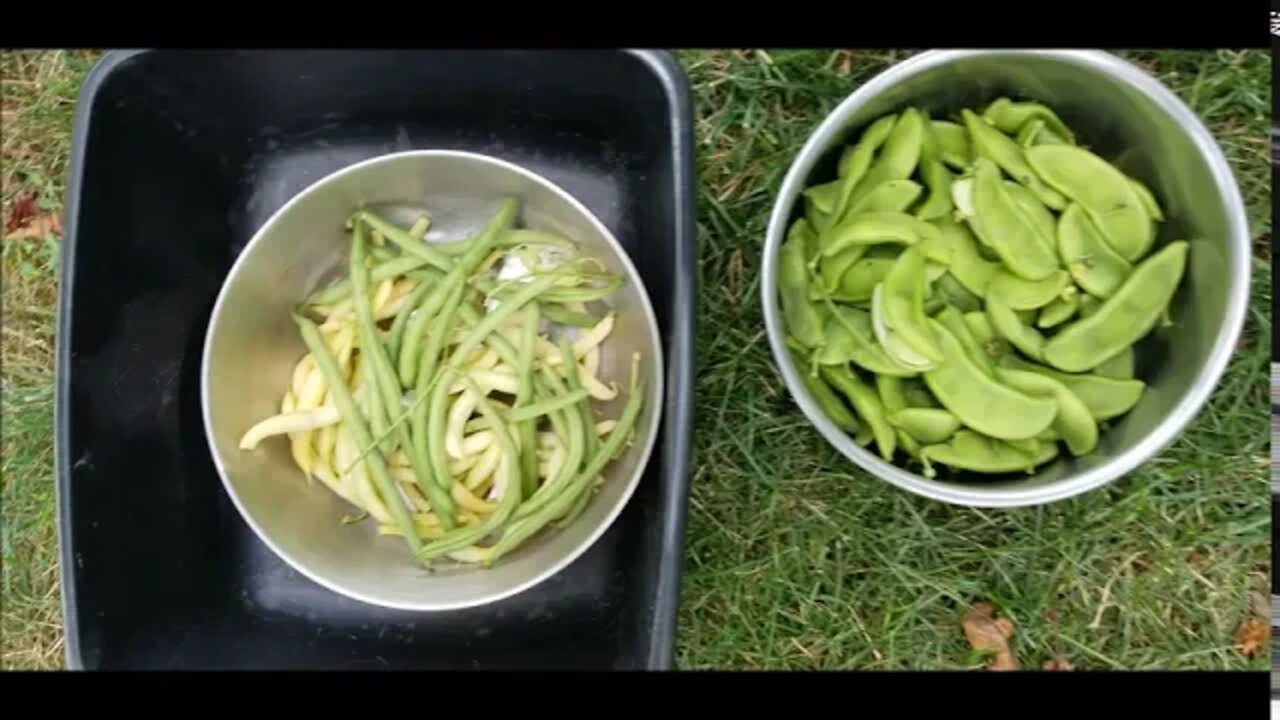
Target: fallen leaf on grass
1252	637
1059	664
39	226
23	209
989	634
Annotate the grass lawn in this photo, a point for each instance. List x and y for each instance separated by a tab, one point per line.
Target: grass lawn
795	558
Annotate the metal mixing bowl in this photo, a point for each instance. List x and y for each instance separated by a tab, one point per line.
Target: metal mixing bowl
252	346
1133	120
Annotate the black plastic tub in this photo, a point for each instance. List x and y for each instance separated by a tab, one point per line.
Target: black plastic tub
178	158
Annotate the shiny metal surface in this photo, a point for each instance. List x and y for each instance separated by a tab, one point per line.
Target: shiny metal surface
252	346
1128	117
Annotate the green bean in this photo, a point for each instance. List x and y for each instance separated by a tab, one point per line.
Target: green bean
850	338
926	425
1009	116
892	396
856	159
512	237
801	316
522	529
341	289
870	228
1062	309
346	405
563	316
980	401
404	240
1148	200
1125	317
575	452
968	450
953	143
374	409
1119	366
952	292
936	176
1022	294
384	393
524	397
828	402
1004	227
899	156
967	265
996	147
1093	263
1036	214
1011	327
903	298
584	408
1105	193
511	493
866	402
951	318
412	347
1105	397
536	410
1073	422
1029	131
395	335
428	424
890	196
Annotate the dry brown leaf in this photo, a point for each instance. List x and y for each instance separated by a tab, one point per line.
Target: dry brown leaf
1259	605
1252	637
1058	663
21	211
39	226
989	634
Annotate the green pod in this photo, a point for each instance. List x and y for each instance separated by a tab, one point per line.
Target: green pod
968	450
954	321
850	338
1035	213
1005	228
867	404
888	196
1009	117
826	398
1027	133
953	143
1049	137
967	264
903	299
1148	200
898	157
892	396
832	269
995	146
1062	309
1089	305
917	394
858	281
1012	328
1095	266
936	246
980	401
909	445
1073	422
871	228
953	292
1119	366
936	176
1105	397
1124	318
801	316
856	159
823	196
864	436
1021	294
927	425
993	345
1102	190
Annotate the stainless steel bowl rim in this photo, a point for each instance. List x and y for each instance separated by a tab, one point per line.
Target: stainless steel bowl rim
656	388
1164	433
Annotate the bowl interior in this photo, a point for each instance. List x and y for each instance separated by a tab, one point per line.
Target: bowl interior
1128	118
252	346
